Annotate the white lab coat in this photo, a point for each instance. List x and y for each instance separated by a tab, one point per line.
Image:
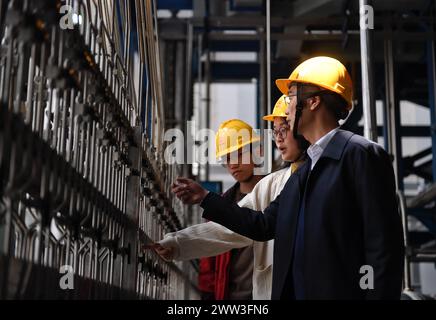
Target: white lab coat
211	239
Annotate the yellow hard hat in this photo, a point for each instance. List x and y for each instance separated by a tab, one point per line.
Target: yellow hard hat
232	135
325	72
278	111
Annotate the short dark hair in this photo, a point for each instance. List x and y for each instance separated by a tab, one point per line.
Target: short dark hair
335	104
303	144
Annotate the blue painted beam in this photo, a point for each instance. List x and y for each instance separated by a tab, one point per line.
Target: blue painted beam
404	131
242	46
234	71
174	4
431	68
239	8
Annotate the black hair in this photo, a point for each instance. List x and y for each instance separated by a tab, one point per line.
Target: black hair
335	104
303	144
332	100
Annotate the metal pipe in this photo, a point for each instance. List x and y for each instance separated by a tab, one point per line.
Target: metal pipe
268	58
262	93
188	81
368	97
268	148
403	212
199	119
431	74
207	74
392	112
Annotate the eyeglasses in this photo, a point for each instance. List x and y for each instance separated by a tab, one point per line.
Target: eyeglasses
282	132
306	95
288	98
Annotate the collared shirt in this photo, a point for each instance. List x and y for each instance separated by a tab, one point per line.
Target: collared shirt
315	150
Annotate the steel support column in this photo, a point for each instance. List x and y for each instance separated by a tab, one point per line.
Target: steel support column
392	106
368	96
431	74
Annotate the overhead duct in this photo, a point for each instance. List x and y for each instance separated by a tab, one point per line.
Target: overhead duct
301	8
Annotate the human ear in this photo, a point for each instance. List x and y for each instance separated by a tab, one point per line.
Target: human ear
314	102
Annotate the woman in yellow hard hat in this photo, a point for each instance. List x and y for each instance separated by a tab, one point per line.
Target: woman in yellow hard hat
291	149
336	228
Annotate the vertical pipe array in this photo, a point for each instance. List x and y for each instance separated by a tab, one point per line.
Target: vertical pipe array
82	187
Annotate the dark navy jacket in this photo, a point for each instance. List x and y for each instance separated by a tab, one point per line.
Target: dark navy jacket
351	219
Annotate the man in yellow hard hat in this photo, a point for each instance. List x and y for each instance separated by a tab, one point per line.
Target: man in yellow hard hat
210	239
336	225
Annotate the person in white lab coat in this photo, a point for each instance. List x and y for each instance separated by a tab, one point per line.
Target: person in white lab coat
210	239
